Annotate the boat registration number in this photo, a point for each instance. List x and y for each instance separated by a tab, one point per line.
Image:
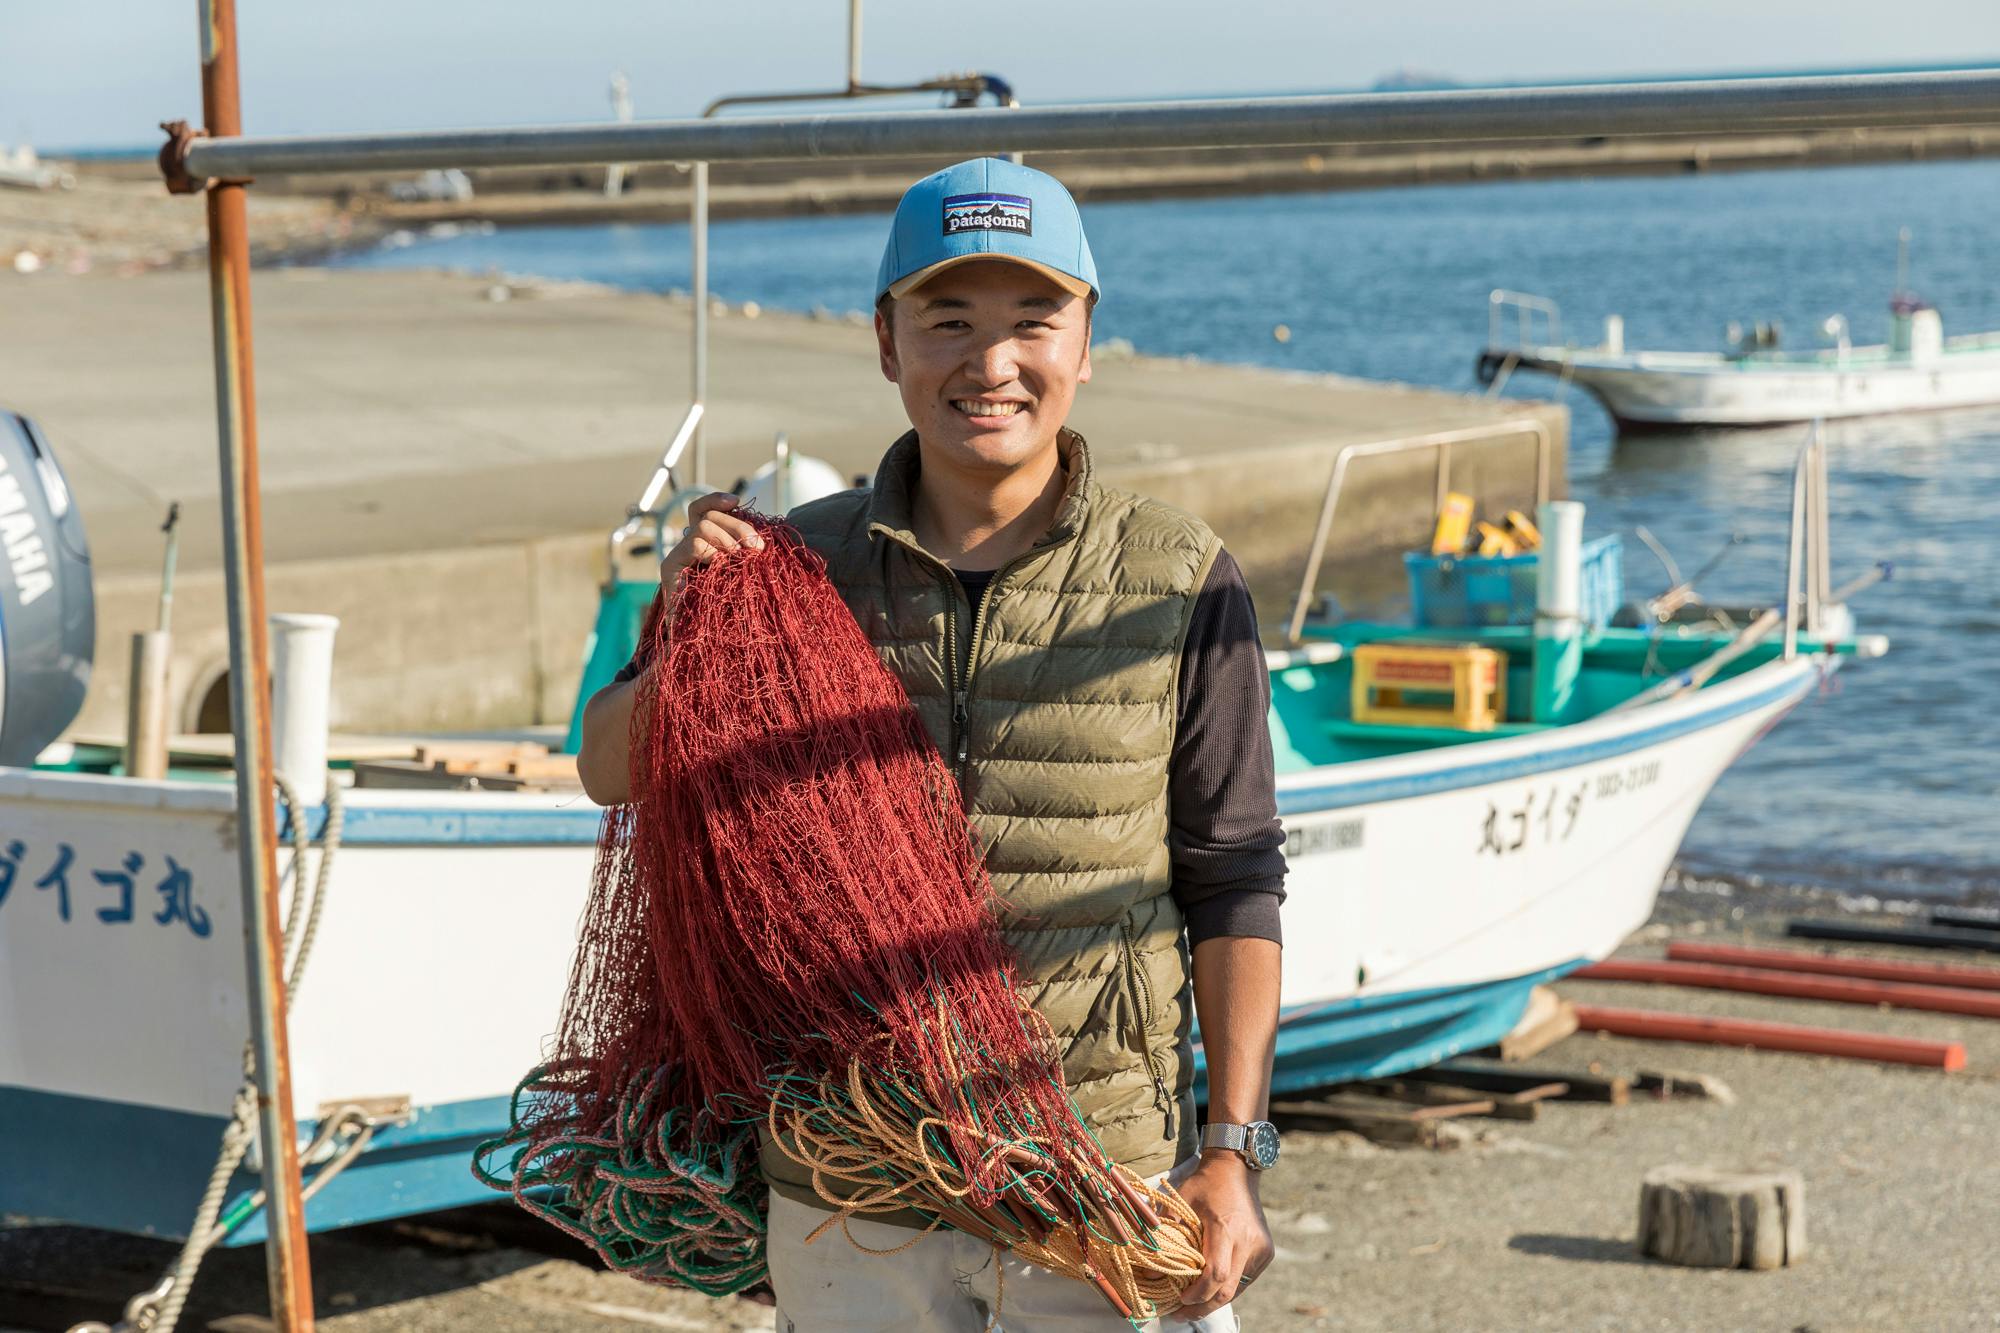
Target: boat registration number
1316	839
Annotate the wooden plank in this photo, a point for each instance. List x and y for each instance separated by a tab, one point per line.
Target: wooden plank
1379	1126
1547	1020
1452	1110
220	747
1969	918
457	756
1500	1105
1614	1090
408	774
1669	1086
1809	928
558	767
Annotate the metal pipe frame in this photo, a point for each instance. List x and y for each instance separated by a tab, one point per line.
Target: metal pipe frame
1442	441
965	85
1709	106
1822	571
286	1263
1797	545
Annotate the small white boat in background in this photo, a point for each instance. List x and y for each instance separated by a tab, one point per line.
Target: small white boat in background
22	169
1751	382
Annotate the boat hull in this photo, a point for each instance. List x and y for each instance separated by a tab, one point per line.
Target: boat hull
1663	391
1428	893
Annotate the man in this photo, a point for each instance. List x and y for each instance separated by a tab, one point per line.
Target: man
1087	663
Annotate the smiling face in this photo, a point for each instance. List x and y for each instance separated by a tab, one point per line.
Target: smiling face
987	356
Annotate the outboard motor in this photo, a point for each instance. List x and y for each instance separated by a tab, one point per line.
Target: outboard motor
48	613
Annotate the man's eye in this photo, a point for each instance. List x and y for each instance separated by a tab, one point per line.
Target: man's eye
953	324
1031	324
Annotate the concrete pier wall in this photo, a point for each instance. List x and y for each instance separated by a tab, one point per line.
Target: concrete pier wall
440	467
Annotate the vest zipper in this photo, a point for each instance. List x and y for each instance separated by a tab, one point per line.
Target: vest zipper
1142	1004
961	695
949	582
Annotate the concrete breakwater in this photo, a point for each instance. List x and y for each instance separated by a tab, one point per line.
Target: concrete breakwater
440	467
661	192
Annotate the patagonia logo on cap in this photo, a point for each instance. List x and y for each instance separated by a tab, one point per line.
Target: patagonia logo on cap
988	212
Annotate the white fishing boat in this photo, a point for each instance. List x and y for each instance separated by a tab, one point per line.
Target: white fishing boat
1752	381
1436	875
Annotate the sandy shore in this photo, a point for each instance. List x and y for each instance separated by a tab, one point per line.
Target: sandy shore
1525	1227
128	227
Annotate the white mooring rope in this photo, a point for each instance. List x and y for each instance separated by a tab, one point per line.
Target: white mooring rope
158	1308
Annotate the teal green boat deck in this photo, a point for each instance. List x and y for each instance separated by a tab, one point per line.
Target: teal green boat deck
1312	723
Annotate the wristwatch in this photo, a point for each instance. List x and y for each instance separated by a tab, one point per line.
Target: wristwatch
1257	1142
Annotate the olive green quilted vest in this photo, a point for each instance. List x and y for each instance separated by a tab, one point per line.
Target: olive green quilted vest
1055	703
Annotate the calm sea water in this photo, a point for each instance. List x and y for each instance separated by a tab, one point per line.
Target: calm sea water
1889	786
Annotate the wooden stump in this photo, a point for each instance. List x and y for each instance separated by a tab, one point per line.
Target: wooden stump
1706	1218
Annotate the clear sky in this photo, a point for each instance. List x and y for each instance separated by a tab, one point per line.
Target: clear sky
77	73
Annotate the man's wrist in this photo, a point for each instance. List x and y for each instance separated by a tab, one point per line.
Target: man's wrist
1225	1167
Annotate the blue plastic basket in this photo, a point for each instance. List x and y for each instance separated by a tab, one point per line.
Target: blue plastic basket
1480	591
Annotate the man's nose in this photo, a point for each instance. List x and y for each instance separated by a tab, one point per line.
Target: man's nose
995	364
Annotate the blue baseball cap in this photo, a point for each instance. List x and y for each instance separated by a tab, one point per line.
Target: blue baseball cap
988	208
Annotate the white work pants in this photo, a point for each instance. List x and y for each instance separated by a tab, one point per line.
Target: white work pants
945	1282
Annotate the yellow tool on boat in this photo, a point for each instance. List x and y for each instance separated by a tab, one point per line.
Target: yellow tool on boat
1496	541
1454	521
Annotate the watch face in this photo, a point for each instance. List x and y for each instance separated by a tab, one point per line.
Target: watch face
1262	1146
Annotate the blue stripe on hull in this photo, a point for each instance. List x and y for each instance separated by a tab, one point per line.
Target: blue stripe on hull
141	1169
1378	1036
1336	795
579	825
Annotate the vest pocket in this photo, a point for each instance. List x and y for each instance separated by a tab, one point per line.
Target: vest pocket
1144	1012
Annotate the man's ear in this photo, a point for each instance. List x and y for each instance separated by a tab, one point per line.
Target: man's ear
885	339
1083	371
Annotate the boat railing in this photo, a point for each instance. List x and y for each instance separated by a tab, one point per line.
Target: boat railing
651	510
1442	442
1527	313
1808	562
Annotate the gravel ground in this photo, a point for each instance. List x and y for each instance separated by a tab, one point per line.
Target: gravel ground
131	227
1520	1227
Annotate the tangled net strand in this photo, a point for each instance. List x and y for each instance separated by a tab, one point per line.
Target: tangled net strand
790	930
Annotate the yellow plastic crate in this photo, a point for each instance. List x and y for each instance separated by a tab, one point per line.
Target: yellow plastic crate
1461	686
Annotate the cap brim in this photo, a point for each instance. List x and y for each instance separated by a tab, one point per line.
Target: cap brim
1073	285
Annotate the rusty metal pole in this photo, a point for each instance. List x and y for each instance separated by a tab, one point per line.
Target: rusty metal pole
286	1260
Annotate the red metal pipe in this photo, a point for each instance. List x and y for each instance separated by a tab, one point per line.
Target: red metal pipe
1838	965
1945	1055
1708	976
287	1267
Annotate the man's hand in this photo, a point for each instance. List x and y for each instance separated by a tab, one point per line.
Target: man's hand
1235	1241
711	531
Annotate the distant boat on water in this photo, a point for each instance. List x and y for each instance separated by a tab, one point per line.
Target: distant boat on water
1752	381
21	168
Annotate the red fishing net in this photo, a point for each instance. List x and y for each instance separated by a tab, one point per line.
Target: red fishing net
790	929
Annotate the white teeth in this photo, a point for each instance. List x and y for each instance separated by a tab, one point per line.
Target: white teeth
974	408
